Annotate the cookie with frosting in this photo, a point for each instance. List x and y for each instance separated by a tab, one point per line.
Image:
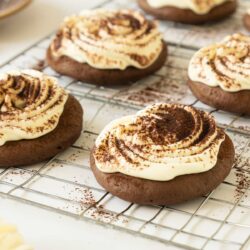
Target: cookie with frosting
219	74
107	47
38	118
246	20
189	11
164	154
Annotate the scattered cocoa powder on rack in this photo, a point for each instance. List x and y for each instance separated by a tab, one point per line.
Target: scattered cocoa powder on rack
243	183
41	64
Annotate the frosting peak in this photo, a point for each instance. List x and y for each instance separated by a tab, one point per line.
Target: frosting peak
159	143
225	64
109	39
30	105
198	6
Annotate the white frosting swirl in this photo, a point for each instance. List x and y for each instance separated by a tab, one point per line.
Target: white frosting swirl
109	39
159	143
225	64
10	239
31	104
198	6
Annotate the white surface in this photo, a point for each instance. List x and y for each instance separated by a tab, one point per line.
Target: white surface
43	229
50	231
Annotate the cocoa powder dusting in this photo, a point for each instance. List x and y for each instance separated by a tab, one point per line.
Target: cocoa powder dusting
40	65
100	213
243	183
160	91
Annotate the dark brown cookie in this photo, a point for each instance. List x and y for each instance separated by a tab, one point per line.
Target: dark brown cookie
188	16
236	102
26	152
180	189
83	72
246	20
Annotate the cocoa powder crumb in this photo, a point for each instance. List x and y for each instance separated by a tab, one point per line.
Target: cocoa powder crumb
243	183
40	65
100	213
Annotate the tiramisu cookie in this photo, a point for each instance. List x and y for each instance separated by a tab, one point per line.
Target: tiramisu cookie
219	74
165	154
107	47
38	119
189	11
246	20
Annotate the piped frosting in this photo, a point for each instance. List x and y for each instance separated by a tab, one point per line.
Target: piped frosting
225	65
31	104
159	143
109	39
198	6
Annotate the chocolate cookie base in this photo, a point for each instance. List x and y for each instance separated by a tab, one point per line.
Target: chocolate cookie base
246	20
188	16
26	152
85	73
180	189
236	102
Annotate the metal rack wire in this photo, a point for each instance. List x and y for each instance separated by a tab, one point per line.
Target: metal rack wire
65	184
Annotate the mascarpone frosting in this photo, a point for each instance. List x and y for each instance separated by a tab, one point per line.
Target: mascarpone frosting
197	6
109	39
225	64
10	239
159	143
31	104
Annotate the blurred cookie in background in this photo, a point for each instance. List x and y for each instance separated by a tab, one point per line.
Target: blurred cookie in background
219	74
246	20
107	47
189	11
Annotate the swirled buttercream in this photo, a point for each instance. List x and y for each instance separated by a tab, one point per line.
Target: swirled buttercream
197	6
109	39
31	104
225	64
159	143
10	239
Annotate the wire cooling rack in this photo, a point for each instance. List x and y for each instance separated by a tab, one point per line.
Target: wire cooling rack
65	184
